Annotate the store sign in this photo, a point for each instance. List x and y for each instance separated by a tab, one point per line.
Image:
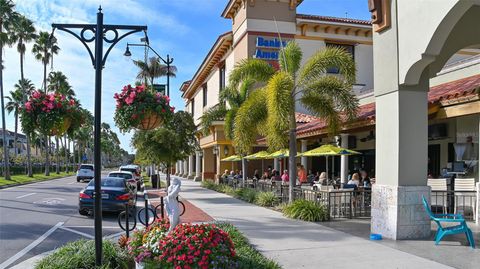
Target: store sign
268	48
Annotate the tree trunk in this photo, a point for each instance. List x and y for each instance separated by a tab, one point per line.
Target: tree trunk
57	153
15	144
66	153
47	156
292	145
6	162
167	178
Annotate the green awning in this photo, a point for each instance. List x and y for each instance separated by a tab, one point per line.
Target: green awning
328	150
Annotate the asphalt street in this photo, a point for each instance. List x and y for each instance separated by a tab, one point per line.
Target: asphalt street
40	217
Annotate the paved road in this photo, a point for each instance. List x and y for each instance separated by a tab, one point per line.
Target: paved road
45	213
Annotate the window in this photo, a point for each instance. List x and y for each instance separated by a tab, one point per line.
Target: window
204	95
349	48
192	104
222	78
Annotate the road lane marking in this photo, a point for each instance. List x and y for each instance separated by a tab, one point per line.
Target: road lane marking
24	251
91	226
113	235
77	232
50	201
26	195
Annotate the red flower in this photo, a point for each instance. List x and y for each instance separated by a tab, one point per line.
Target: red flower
71	102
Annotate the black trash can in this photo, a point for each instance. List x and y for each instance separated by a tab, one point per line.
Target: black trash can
154	180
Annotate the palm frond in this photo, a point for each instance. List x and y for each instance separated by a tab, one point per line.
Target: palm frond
290	58
245	88
248	121
324	108
214	113
231	96
280	105
255	69
330	57
230	122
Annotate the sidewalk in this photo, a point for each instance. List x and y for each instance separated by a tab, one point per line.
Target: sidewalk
298	244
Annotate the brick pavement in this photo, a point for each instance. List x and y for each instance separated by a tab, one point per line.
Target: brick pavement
192	213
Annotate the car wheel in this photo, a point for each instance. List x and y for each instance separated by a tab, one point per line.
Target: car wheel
78	180
83	212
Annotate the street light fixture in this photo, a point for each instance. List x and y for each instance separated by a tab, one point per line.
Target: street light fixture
168	61
99	35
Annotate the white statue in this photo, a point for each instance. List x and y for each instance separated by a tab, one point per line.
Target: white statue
171	203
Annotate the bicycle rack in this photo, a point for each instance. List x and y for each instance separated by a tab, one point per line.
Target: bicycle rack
147	211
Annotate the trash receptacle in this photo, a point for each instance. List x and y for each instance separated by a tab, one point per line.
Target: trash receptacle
154	180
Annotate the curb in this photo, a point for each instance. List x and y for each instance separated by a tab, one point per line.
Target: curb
30	182
30	263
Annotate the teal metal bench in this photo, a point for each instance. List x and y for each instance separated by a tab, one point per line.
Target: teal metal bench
452	218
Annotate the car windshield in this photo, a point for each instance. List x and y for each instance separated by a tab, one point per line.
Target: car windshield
133	170
88	167
109	182
122	175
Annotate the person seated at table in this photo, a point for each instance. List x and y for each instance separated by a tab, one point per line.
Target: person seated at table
256	175
224	176
276	176
239	174
355	180
364	179
310	176
265	176
301	174
285	177
322	178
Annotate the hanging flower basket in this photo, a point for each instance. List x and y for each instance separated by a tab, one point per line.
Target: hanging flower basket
48	113
62	127
141	108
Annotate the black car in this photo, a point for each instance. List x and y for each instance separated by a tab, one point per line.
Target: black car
115	191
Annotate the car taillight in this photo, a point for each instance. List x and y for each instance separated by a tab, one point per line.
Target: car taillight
84	196
131	181
123	197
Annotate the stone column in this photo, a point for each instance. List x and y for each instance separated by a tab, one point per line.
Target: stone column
344	159
198	174
477	217
176	168
185	168
191	174
401	144
304	160
276	165
180	170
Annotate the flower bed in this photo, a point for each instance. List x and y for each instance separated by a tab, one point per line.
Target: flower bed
187	246
141	108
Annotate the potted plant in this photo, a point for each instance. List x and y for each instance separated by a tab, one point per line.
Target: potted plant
141	108
49	113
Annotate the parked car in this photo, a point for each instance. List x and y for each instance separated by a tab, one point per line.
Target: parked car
115	191
127	176
135	170
85	172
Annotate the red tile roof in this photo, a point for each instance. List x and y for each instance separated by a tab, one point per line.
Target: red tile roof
465	87
333	19
304	118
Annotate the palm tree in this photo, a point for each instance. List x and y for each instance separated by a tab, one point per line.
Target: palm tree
230	100
23	32
16	99
270	110
43	49
7	17
152	69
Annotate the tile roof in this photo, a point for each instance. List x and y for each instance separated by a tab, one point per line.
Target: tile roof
304	118
333	19
465	87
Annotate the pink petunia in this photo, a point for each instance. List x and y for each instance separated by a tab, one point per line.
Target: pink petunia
36	94
128	100
28	106
50	105
71	102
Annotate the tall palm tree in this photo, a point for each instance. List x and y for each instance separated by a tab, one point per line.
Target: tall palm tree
16	99
44	49
152	69
230	100
7	17
23	32
270	110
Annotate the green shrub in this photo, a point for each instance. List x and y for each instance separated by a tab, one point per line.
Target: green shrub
208	184
269	199
227	190
248	257
81	254
248	195
305	210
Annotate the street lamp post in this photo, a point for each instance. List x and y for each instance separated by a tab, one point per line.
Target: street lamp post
168	61
99	31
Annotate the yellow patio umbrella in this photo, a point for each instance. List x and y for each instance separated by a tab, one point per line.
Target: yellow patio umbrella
283	153
233	158
257	156
328	150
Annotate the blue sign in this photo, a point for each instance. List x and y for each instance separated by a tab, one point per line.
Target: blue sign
270	43
266	55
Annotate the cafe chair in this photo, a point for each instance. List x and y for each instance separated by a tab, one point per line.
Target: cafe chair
449	218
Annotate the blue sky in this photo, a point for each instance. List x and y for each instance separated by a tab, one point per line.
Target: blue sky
185	29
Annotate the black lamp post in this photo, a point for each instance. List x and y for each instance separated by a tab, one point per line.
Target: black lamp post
168	62
99	31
